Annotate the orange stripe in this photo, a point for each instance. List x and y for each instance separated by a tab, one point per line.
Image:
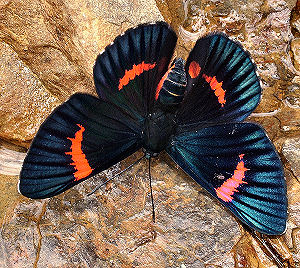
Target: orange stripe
216	87
227	189
80	162
161	82
135	71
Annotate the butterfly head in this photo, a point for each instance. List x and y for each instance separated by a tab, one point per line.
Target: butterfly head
149	154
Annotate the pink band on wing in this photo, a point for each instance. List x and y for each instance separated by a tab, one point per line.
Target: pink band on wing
227	189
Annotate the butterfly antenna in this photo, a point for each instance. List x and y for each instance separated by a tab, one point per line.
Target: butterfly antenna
151	193
131	165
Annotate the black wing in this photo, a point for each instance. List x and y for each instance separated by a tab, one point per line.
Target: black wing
82	137
128	71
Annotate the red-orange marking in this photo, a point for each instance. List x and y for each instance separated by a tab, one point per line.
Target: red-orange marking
79	159
135	71
216	87
227	189
194	69
161	82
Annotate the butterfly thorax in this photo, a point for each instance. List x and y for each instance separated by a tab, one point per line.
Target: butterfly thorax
158	128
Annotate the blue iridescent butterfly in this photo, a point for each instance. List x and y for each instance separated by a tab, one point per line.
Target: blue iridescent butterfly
193	111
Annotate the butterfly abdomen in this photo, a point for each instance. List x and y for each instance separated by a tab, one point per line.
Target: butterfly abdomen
171	88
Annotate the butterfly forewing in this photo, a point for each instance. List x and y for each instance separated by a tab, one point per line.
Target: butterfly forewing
237	164
222	82
82	137
128	71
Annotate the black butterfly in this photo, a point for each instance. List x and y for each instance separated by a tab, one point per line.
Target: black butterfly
194	111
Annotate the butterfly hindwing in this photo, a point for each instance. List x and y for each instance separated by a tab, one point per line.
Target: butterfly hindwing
222	82
237	164
128	71
82	137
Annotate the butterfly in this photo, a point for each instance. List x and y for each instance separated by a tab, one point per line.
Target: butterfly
193	110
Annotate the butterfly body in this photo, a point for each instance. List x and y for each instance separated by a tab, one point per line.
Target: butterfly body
194	111
159	126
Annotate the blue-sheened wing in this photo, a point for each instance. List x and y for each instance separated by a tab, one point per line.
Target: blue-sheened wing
222	83
237	164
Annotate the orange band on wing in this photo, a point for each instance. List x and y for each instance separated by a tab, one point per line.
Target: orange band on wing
135	71
216	87
80	162
227	189
161	82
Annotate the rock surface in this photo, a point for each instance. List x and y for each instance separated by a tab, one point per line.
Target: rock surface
48	48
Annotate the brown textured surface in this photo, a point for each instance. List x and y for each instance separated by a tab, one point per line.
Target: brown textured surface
22	98
48	48
48	51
